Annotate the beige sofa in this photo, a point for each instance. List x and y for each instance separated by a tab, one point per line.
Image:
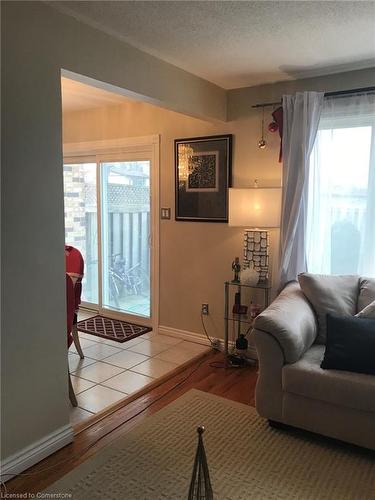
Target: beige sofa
292	388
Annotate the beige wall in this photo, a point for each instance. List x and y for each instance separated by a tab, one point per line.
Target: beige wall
195	257
241	100
37	42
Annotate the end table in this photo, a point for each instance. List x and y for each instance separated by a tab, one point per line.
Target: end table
232	287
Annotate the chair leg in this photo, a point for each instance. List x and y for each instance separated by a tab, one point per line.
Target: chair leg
76	341
72	395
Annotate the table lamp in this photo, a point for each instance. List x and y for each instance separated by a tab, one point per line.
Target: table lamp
256	209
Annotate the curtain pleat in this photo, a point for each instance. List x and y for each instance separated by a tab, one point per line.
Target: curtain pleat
301	115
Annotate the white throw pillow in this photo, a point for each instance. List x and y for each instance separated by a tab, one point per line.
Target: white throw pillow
366	292
367	312
330	294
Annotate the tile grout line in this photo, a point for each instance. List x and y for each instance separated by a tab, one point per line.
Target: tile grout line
154	338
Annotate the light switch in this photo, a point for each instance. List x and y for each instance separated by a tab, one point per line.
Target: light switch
165	213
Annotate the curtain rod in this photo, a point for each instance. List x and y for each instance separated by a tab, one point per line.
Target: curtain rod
327	94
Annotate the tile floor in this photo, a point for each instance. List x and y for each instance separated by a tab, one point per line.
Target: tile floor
111	371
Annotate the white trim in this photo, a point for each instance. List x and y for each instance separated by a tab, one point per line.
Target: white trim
198	338
155	233
34	453
134	148
93	148
183	335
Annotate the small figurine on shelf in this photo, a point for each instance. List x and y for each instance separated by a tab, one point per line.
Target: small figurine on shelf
236	266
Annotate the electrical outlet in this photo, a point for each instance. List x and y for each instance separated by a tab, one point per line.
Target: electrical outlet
204	309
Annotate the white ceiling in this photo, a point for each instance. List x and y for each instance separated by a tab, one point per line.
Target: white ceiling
77	96
241	43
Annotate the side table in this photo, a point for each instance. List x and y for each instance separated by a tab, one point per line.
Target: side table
232	287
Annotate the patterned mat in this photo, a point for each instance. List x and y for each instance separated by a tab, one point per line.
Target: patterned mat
246	459
112	329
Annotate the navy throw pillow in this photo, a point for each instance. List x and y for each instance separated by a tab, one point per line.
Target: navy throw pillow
350	344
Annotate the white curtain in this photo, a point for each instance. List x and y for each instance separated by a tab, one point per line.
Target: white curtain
340	235
301	115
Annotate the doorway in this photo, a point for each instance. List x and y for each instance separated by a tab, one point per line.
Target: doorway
111	192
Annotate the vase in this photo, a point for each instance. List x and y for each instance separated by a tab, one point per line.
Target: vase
249	276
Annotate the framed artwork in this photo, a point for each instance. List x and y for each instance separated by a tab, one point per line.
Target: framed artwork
203	175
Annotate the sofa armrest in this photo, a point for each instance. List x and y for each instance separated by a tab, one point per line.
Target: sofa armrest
291	320
269	391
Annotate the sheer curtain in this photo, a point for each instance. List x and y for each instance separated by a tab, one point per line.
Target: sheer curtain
340	232
301	115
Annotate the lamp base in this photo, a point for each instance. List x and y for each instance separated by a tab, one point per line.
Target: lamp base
256	253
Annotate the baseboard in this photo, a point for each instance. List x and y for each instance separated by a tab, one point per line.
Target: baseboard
199	338
22	460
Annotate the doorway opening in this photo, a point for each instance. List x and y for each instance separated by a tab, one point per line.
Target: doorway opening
111	193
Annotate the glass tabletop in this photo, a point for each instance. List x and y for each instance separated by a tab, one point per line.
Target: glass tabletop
266	285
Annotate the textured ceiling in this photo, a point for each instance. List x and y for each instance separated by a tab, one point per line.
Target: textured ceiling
241	43
78	96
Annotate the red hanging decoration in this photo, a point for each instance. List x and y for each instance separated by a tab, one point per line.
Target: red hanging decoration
277	115
273	127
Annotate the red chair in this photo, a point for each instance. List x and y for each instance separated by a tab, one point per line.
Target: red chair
70	312
74	265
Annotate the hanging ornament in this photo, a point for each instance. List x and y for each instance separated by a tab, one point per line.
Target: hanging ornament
273	127
262	142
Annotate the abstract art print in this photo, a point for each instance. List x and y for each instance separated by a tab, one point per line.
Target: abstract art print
203	175
203	172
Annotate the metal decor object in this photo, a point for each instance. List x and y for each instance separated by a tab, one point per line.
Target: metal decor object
262	143
200	485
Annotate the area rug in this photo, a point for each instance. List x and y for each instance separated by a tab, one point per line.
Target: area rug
246	458
112	329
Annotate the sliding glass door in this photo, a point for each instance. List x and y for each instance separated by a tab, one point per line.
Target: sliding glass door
125	228
108	216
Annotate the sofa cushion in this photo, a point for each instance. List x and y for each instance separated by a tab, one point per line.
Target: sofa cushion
290	319
366	292
350	344
306	378
330	294
368	311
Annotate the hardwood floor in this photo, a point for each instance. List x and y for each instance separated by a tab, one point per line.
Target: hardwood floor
237	384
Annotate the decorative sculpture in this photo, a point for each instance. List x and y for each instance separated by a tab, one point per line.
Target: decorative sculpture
249	276
236	266
200	485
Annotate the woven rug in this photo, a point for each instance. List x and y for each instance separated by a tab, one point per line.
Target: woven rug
246	458
113	329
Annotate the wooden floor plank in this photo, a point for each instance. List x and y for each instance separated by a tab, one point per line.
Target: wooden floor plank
237	384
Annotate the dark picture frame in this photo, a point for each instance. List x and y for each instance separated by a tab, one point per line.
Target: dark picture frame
203	174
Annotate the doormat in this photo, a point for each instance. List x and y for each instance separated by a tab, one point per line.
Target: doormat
112	329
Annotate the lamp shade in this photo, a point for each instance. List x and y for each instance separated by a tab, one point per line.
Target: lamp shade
254	207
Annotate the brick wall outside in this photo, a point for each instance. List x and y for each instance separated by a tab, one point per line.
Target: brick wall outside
74	202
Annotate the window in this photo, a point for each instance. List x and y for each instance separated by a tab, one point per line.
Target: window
340	233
